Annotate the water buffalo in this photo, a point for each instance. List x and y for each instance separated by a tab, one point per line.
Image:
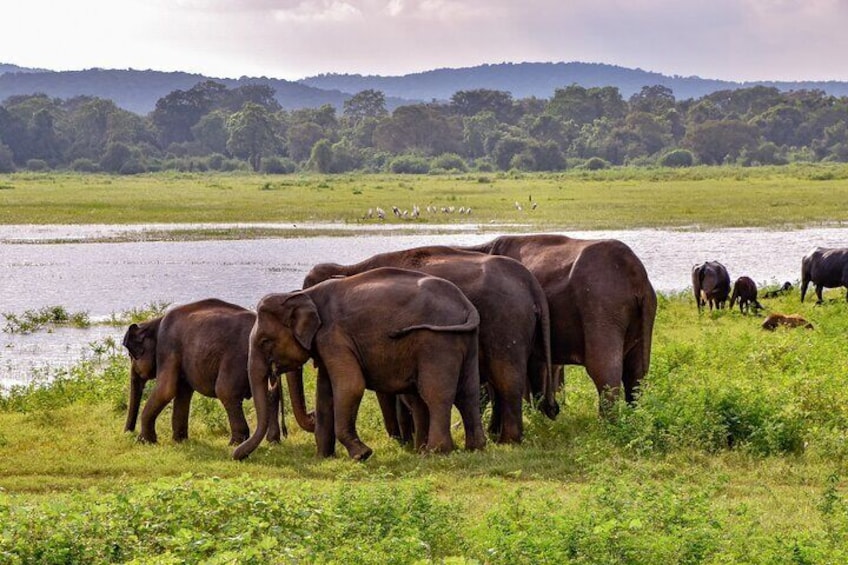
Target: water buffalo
825	268
711	284
745	291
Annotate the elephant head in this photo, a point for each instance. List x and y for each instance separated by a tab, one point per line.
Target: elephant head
282	336
140	341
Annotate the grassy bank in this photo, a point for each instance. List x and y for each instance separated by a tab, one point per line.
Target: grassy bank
736	453
621	198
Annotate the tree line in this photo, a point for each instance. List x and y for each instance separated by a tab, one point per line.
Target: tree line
213	127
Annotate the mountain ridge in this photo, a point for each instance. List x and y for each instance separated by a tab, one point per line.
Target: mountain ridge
138	90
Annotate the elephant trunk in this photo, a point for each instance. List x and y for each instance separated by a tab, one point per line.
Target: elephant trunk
258	376
306	420
136	390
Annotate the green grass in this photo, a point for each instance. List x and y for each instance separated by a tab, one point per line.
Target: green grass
736	453
705	197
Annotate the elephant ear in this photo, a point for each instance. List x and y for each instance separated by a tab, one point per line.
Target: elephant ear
304	321
134	341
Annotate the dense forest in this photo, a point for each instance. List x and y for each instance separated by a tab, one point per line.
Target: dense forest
211	126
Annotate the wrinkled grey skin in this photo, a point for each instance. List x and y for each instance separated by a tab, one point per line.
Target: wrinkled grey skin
711	284
393	331
202	347
602	305
514	328
825	268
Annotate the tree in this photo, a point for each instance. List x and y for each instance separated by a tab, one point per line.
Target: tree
655	99
469	103
718	141
585	105
321	157
365	104
178	111
251	134
418	127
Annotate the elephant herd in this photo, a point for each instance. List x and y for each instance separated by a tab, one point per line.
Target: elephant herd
424	328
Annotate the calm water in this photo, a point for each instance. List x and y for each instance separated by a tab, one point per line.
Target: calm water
106	278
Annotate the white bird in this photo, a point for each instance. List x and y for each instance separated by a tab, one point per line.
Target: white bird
396	211
381	213
534	205
370	213
518	206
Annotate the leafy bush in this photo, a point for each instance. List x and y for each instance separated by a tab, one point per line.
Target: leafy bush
596	164
278	166
449	162
48	316
678	158
409	165
84	166
236	521
37	165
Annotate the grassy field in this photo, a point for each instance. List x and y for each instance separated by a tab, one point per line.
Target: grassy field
736	453
623	198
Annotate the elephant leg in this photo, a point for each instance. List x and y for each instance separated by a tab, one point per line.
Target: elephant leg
508	388
390	408
239	430
414	406
182	407
348	387
406	423
163	393
819	298
276	417
467	401
604	363
635	367
325	436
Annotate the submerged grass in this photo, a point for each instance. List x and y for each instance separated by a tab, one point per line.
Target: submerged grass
737	452
706	197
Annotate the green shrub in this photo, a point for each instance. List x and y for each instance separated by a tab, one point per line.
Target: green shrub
278	166
37	165
84	166
596	164
409	165
449	162
678	158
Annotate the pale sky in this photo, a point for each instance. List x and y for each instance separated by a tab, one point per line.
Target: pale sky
291	39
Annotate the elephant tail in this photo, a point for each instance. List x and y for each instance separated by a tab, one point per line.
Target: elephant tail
472	322
549	405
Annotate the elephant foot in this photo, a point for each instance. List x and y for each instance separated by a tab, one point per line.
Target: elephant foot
360	451
146	439
238	440
180	438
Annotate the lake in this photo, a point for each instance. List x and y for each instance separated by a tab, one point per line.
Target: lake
71	266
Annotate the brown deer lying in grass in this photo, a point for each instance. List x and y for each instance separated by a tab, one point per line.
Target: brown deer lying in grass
789	321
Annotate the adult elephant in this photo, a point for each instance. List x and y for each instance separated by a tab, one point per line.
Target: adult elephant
393	331
514	331
202	347
825	268
711	284
602	305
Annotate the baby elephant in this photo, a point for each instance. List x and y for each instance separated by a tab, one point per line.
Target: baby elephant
789	321
745	291
200	347
785	287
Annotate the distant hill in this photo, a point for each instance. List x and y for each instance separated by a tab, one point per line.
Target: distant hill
541	79
138	91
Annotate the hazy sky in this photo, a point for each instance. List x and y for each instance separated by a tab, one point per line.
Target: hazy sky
724	39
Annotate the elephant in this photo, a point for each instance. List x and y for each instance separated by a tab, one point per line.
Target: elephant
602	305
789	321
745	291
825	268
514	334
393	331
711	284
774	293
202	347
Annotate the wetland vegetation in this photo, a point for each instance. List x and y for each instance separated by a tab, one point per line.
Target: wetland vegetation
737	451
